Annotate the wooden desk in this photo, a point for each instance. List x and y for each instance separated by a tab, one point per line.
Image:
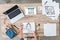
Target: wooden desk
39	18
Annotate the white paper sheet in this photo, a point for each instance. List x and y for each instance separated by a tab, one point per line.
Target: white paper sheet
50	29
55	8
28	27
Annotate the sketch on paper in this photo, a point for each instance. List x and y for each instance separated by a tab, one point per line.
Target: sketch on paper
28	27
50	10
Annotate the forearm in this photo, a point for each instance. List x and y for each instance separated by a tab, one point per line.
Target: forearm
35	38
21	39
21	34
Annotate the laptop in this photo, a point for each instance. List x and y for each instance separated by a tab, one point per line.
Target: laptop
14	14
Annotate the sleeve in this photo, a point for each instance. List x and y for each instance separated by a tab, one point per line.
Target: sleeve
21	38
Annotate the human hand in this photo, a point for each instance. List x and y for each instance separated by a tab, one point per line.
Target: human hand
35	36
21	31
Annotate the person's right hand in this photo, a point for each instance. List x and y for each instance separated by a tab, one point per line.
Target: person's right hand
35	36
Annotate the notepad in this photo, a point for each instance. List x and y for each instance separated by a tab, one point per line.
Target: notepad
50	29
14	14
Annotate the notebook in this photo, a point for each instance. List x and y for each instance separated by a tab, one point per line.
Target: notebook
14	14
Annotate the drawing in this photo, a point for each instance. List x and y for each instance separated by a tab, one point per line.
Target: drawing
28	27
50	10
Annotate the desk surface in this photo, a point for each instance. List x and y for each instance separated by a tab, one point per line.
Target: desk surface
39	18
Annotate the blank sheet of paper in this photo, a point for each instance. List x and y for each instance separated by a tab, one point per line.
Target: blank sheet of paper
50	29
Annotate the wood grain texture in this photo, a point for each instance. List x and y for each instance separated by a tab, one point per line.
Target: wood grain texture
20	1
38	19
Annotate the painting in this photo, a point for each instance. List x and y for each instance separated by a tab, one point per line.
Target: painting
30	11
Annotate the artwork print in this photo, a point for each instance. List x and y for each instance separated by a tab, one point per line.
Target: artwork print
30	11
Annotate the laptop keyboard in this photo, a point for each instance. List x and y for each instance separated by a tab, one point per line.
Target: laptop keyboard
14	13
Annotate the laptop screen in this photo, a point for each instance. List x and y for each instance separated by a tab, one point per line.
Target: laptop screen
11	9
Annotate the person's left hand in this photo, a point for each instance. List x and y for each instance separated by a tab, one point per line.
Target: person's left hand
21	31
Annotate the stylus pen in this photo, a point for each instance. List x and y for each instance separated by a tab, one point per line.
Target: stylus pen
16	27
45	2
